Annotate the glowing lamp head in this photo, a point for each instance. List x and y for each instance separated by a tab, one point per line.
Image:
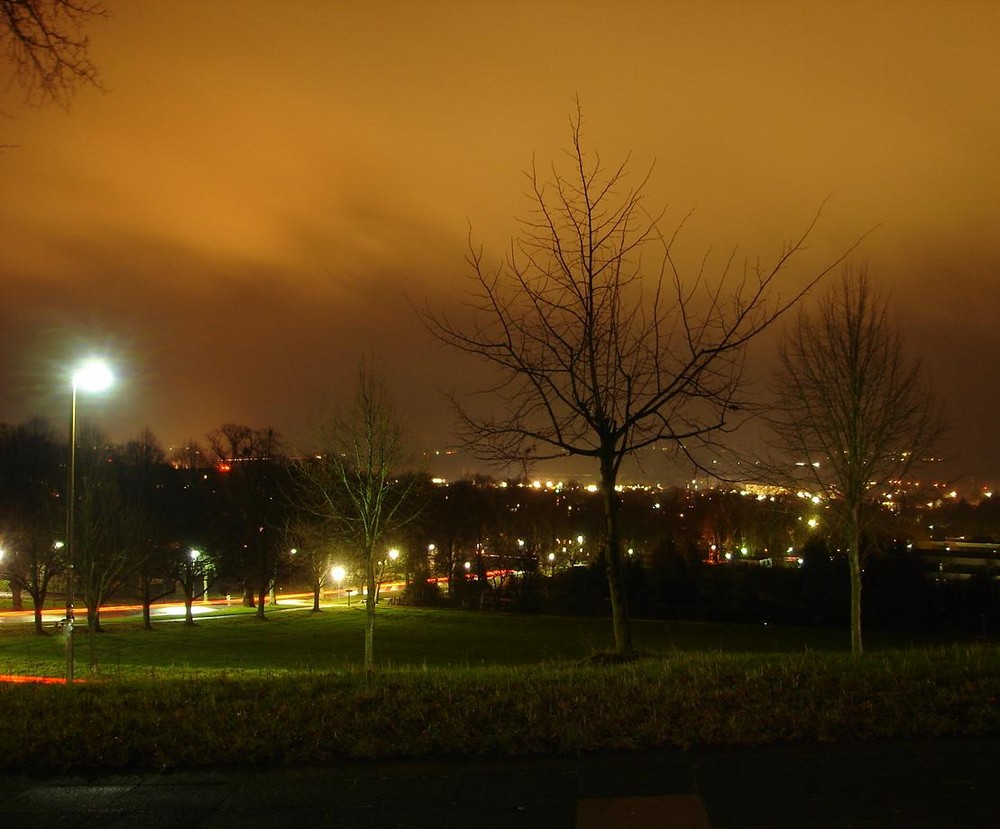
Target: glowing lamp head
93	376
338	573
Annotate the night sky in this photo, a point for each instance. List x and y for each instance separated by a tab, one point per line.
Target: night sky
243	210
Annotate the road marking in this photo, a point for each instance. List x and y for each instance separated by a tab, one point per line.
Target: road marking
669	811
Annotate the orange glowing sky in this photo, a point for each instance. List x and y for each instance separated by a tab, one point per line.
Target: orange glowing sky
241	212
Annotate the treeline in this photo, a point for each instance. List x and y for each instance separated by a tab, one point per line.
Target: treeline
901	592
146	525
226	516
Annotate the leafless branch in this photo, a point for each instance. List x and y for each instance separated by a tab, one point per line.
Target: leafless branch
47	45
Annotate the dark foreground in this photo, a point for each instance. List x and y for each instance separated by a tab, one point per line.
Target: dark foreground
933	783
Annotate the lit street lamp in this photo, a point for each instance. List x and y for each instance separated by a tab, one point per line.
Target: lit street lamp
91	376
338	574
195	556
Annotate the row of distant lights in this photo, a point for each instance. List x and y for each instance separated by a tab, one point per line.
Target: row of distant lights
559	486
745	551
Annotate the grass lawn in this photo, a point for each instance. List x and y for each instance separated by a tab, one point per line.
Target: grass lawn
288	691
298	640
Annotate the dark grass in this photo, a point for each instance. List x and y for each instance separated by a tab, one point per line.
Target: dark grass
689	699
236	691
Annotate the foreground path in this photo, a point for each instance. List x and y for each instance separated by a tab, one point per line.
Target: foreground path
940	783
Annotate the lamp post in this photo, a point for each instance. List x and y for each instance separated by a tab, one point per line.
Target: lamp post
93	376
338	574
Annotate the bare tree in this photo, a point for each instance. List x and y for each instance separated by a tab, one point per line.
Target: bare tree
357	487
32	510
251	514
852	412
312	553
190	456
45	42
112	529
601	346
189	568
150	487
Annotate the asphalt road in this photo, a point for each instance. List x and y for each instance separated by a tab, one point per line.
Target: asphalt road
930	783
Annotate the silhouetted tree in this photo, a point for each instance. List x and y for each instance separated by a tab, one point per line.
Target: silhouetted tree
457	515
852	412
150	486
189	566
191	457
32	510
111	529
600	345
312	552
252	510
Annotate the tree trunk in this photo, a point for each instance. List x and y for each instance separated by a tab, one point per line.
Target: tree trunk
188	615
316	590
854	557
613	562
38	604
370	615
93	627
262	602
147	616
16	597
94	618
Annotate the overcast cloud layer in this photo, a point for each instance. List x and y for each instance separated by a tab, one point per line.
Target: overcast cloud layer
242	212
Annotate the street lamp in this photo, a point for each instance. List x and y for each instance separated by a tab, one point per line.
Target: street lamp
92	376
195	556
338	574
